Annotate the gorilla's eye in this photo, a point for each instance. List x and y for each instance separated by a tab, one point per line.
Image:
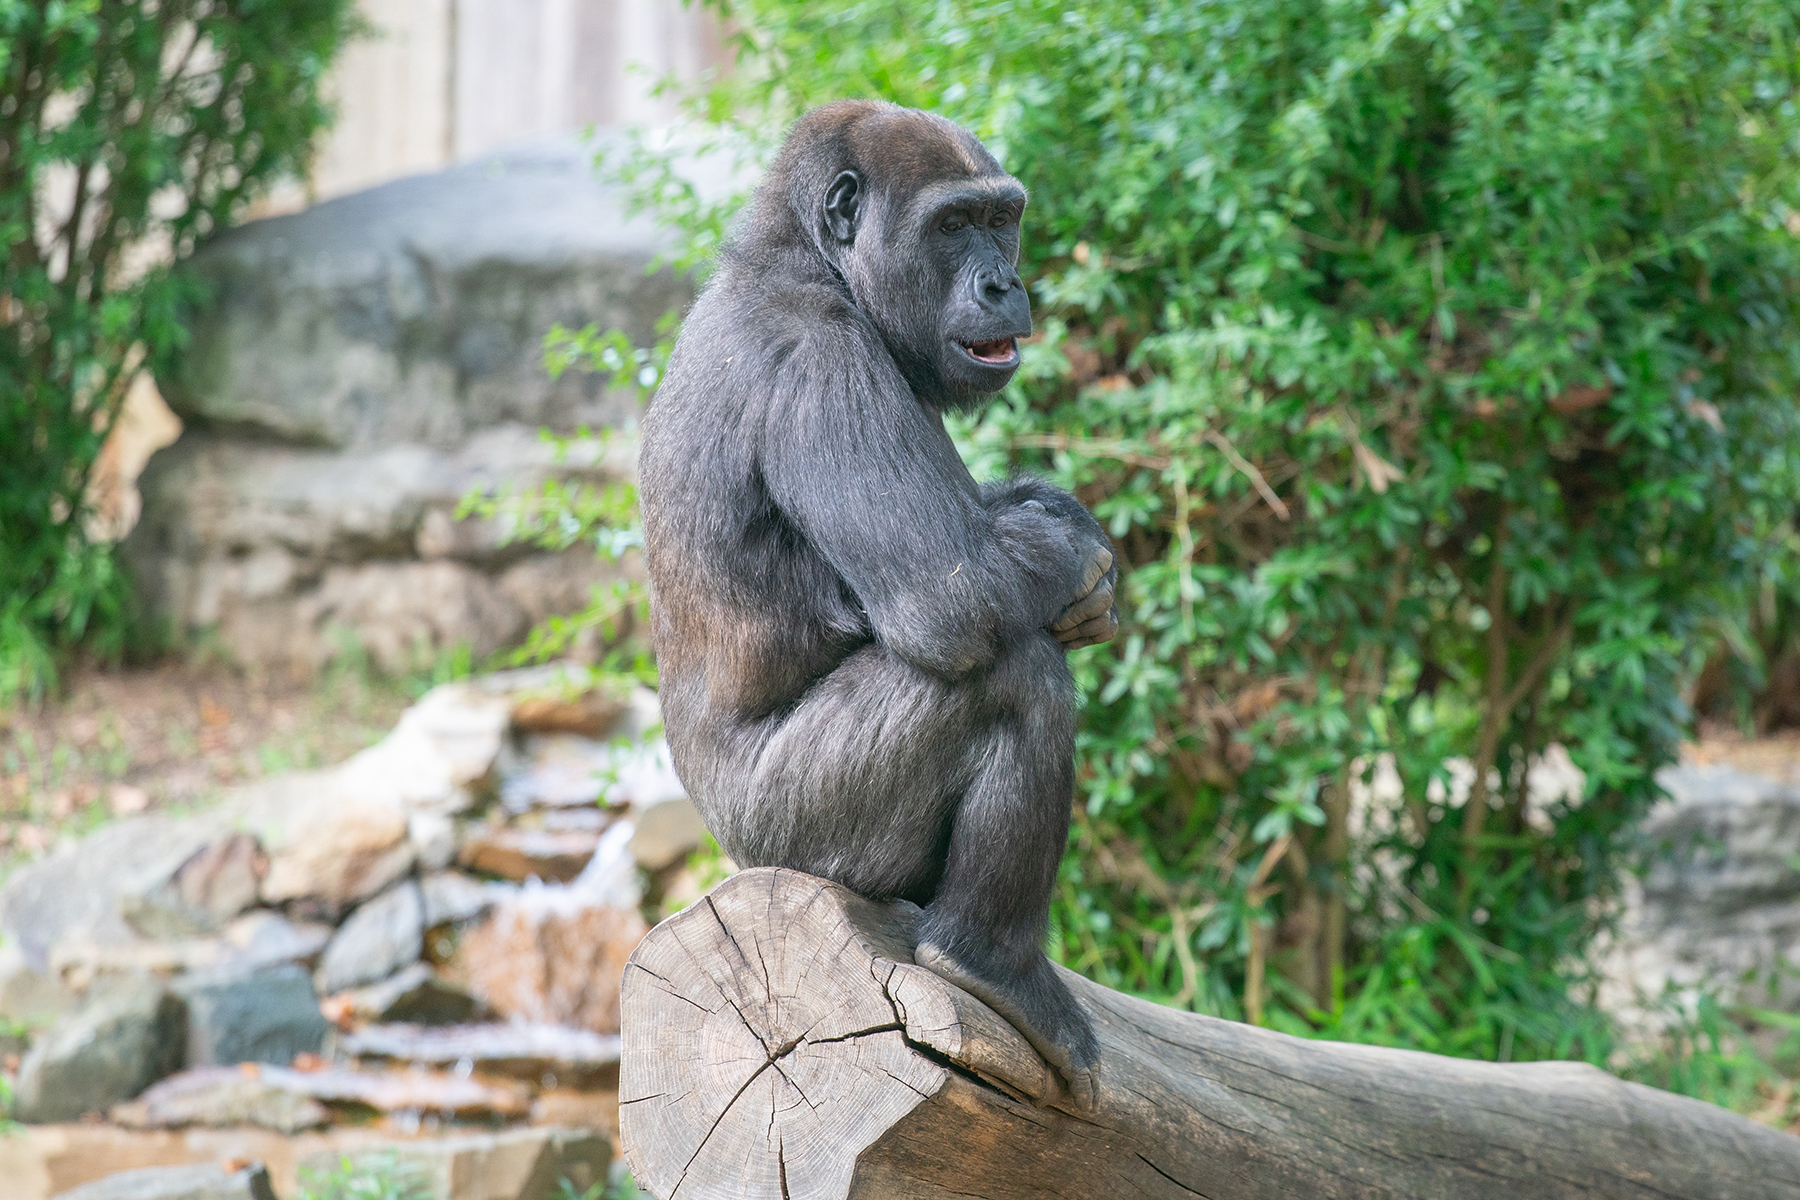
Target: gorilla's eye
954	223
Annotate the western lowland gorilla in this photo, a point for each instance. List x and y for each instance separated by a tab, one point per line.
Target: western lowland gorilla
861	650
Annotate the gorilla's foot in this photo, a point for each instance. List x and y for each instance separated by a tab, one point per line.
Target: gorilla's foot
1040	1007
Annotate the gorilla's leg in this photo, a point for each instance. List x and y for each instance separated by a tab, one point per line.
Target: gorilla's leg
955	795
984	930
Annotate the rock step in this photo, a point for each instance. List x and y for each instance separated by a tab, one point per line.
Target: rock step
205	1182
541	1054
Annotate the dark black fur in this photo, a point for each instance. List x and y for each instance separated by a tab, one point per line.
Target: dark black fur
862	652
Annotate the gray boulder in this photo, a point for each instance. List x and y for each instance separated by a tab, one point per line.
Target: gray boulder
28	996
1718	906
78	891
257	1015
220	1098
128	1035
362	365
415	312
207	1181
381	937
211	886
280	548
1729	866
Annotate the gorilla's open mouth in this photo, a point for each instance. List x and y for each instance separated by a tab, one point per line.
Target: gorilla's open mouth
1000	352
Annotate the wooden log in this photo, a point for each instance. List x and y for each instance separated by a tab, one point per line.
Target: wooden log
779	1042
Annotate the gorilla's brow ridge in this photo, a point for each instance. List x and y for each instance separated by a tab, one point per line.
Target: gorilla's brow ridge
1003	189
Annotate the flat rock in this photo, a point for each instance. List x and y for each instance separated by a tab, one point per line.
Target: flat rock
72	893
514	1164
351	849
29	996
415	994
588	820
215	883
668	830
554	770
221	1097
378	939
439	756
204	1182
41	1161
265	1015
565	770
264	938
412	1090
578	1108
515	1049
551	956
561	697
270	546
590	713
128	1034
84	965
450	897
520	854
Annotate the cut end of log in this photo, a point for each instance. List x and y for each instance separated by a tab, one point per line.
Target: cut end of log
778	1028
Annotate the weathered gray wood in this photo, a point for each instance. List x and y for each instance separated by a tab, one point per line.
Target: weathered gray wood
779	1042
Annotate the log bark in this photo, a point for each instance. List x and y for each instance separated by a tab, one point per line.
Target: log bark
779	1042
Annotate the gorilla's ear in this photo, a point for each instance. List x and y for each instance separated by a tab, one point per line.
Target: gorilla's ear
843	199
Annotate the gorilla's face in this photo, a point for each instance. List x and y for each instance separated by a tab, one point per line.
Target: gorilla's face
972	238
932	263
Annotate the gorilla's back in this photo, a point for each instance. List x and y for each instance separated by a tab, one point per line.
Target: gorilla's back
744	613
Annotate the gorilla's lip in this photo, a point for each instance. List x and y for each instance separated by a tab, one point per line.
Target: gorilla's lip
995	352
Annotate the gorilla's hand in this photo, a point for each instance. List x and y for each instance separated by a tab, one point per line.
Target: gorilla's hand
1091	617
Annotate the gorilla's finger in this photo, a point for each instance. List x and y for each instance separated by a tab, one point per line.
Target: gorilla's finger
1091	633
1098	564
1091	605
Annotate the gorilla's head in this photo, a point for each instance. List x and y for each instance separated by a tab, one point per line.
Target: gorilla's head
922	226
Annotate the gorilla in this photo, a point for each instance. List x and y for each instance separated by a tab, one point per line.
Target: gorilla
862	651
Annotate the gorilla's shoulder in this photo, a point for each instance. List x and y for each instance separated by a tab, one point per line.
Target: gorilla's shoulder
802	321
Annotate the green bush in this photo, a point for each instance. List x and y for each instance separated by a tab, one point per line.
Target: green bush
128	130
1432	365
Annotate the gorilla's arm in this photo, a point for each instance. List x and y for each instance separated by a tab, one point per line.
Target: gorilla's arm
1091	616
868	476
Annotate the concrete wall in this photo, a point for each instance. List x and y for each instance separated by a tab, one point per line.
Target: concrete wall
441	81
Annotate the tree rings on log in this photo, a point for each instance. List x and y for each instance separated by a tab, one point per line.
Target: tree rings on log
762	1049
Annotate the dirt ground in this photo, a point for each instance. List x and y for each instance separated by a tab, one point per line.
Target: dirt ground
123	741
1776	755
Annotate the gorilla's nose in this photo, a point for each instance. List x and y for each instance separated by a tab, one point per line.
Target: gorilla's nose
997	282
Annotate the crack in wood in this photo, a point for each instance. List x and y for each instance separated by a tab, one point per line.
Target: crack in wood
1184	1187
772	1061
